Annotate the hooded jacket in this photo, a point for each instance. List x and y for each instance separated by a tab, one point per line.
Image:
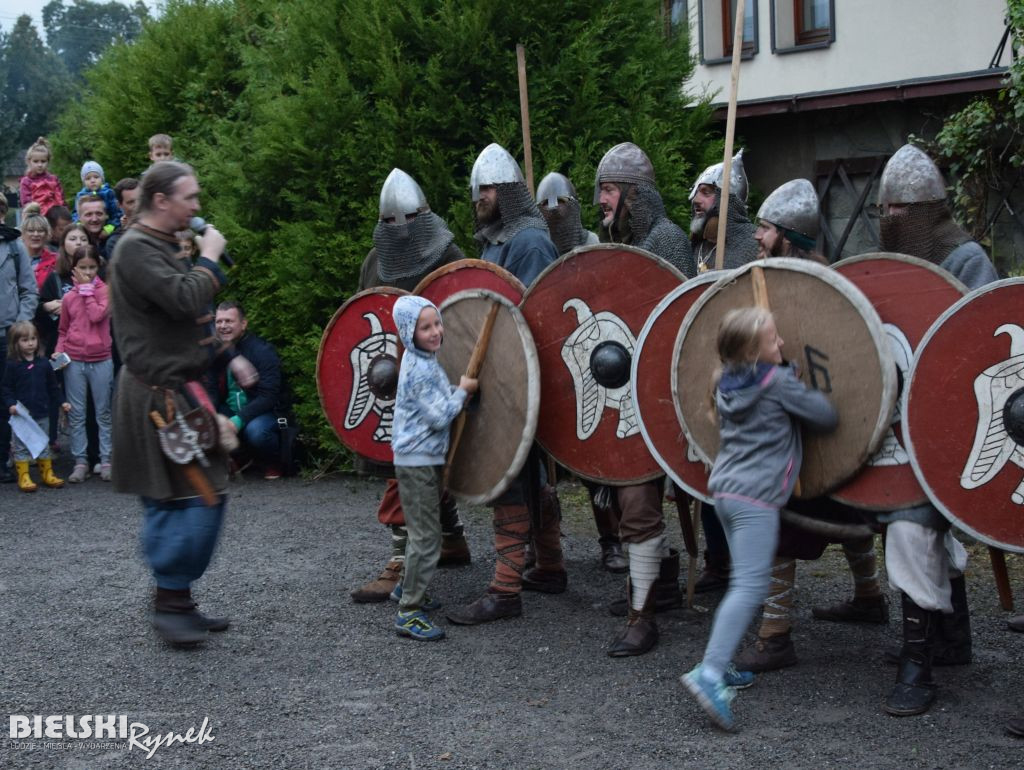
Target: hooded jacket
426	402
761	452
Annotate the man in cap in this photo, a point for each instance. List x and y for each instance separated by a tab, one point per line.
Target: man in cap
513	235
632	211
560	207
923	559
706	199
409	242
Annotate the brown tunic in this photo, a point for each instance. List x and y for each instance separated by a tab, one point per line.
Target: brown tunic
159	308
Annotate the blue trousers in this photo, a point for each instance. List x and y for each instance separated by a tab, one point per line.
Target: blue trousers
263	437
178	538
752	531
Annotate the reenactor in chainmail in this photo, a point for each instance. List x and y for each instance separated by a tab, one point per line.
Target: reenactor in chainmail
632	210
634	214
512	234
560	207
705	198
788	224
409	242
922	558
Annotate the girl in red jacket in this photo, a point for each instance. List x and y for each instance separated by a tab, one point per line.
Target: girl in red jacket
84	334
39	185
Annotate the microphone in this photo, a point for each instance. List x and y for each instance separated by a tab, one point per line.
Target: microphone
198	225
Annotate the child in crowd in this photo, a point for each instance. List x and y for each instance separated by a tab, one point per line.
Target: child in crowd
29	379
759	402
425	405
160	148
39	185
94	184
84	334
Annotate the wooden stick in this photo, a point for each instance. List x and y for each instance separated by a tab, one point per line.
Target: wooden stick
193	472
730	133
524	112
998	559
691	570
476	361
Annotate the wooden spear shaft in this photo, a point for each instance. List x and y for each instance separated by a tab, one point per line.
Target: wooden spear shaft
476	361
723	217
730	133
524	113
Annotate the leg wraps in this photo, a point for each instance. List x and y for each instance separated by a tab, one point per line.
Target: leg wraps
778	607
511	533
451	524
399	538
860	555
390	509
644	568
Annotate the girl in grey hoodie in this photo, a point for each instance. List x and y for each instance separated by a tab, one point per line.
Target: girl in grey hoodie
425	405
759	402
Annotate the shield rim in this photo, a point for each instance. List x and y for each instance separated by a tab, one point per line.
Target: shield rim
953	281
320	352
476	264
904	420
856	298
532	391
576	252
700	279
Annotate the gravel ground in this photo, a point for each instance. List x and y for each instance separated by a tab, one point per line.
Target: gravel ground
306	678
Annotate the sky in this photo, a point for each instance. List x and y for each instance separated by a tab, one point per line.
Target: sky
10	10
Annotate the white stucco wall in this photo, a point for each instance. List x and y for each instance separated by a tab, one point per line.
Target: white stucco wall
877	41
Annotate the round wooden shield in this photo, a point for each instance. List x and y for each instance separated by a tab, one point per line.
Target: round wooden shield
501	419
909	294
465	274
834	335
652	388
357	372
963	419
585	311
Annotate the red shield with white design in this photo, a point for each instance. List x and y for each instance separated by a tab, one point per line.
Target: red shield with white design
964	415
652	388
909	294
357	372
585	311
467	274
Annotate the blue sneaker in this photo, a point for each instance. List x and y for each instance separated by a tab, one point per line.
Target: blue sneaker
738	680
417	625
428	604
713	698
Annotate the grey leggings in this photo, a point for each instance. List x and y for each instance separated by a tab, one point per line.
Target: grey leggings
752	531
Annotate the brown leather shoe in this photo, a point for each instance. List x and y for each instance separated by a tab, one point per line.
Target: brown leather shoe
380	589
710	580
639	636
454	551
768	654
493	605
859	609
545	581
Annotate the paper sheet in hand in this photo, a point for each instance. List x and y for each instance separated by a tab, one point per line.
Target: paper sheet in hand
28	431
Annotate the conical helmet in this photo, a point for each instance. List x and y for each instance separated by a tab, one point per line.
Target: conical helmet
793	206
401	197
911	176
712	175
493	166
552	187
623	163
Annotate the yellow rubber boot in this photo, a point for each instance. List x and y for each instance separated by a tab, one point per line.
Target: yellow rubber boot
25	483
47	476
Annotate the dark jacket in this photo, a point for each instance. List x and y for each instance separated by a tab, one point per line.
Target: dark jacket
265	395
33	383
